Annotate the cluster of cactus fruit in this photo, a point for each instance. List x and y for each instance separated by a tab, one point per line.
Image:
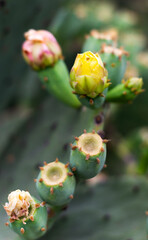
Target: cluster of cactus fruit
96	77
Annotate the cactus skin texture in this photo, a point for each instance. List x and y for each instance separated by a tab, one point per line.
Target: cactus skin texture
115	61
35	228
95	40
56	81
87	164
126	91
57	192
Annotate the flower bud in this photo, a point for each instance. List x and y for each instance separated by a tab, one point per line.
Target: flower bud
88	75
134	83
40	49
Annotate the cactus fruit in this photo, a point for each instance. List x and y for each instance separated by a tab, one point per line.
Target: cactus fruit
43	53
88	155
95	40
56	183
88	78
126	91
28	216
115	60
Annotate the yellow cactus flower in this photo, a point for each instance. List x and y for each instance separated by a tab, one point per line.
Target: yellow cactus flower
88	75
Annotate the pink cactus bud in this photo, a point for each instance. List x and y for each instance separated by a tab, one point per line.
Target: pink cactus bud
40	49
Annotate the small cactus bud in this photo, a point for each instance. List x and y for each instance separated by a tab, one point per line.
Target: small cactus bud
126	91
90	160
24	217
88	75
57	185
134	83
40	49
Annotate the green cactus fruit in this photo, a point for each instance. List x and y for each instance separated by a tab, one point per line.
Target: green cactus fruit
115	60
56	183
56	80
126	91
28	216
88	155
93	103
95	40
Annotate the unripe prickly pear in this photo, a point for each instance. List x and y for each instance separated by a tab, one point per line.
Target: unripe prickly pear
28	216
88	155
88	77
126	91
95	40
56	183
115	60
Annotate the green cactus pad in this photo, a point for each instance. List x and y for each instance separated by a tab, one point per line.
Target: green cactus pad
88	155
56	183
35	228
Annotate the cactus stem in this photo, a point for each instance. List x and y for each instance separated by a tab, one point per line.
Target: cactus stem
67	165
70	174
41	168
98	160
71	196
37	205
74	169
35	180
102	149
87	156
76	138
43	229
74	147
51	190
106	140
56	160
85	131
6	224
41	180
91	102
45	79
32	218
22	230
124	93
61	184
45	163
105	166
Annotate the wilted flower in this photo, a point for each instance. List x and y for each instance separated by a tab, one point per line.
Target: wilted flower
88	75
40	49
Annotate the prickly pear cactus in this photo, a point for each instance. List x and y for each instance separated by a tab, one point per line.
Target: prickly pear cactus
113	210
